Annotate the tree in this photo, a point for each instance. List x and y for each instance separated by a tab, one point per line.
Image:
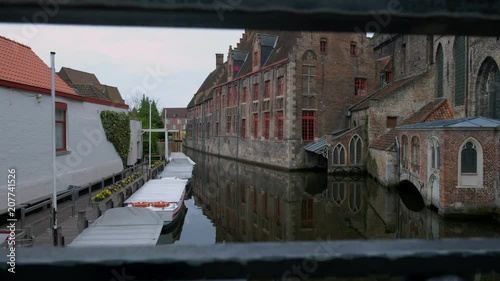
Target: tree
142	113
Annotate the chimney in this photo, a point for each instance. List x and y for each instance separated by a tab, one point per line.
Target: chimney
219	59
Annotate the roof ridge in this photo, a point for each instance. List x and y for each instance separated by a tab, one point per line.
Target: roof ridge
15	42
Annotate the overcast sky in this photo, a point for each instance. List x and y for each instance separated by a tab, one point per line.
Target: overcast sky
167	64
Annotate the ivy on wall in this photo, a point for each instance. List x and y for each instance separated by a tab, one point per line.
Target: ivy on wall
117	128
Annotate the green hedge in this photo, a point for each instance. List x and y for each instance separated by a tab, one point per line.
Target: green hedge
117	128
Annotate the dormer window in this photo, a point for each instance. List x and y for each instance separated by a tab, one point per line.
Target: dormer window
323	45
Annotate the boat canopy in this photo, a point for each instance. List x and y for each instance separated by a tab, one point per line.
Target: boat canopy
165	189
122	227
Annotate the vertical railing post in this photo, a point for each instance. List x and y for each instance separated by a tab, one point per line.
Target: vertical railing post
23	216
102	183
74	198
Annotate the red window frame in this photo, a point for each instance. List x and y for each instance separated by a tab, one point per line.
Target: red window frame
254	200
388	76
267	91
353	49
64	108
281	86
308	120
279	125
255	125
307	212
256	92
264	205
360	87
277	210
323	45
266	125
244	96
243	128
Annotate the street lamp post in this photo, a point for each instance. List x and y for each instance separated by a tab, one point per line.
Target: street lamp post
53	120
149	166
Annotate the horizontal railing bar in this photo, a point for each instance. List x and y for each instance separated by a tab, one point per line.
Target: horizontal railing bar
393	16
261	260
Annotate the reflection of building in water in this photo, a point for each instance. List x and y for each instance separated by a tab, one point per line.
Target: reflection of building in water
250	203
253	203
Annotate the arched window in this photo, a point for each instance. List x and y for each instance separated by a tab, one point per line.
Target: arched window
488	89
338	192
439	65
323	45
404	151
459	53
355	151
415	153
434	153
469	158
355	197
470	164
339	155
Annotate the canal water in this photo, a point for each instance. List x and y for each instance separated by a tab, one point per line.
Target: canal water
230	201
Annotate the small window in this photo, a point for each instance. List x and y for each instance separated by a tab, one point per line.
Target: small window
174	127
308	120
175	115
360	86
256	92
392	122
61	116
339	155
307	213
469	158
281	86
243	128
266	125
323	45
353	49
244	96
388	76
355	151
267	92
255	58
255	125
279	126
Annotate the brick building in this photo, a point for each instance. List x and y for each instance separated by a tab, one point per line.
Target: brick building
426	79
176	121
278	92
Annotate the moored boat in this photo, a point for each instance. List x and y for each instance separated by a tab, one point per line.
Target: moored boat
164	196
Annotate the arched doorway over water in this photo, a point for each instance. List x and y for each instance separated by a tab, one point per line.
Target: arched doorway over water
434	185
410	196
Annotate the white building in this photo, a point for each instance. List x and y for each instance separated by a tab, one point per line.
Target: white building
83	152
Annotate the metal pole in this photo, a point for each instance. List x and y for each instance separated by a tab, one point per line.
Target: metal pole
149	166
166	137
53	120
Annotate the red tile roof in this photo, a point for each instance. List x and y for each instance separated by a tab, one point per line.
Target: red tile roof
21	68
439	109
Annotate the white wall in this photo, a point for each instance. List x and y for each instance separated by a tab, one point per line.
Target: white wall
26	145
135	151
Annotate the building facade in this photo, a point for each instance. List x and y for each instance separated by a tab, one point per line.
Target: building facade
83	153
279	92
176	118
423	80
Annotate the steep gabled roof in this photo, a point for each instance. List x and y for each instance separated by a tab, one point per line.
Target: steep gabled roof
88	90
113	94
73	76
439	109
20	67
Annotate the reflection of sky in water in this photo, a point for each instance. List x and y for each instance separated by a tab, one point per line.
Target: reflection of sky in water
197	229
